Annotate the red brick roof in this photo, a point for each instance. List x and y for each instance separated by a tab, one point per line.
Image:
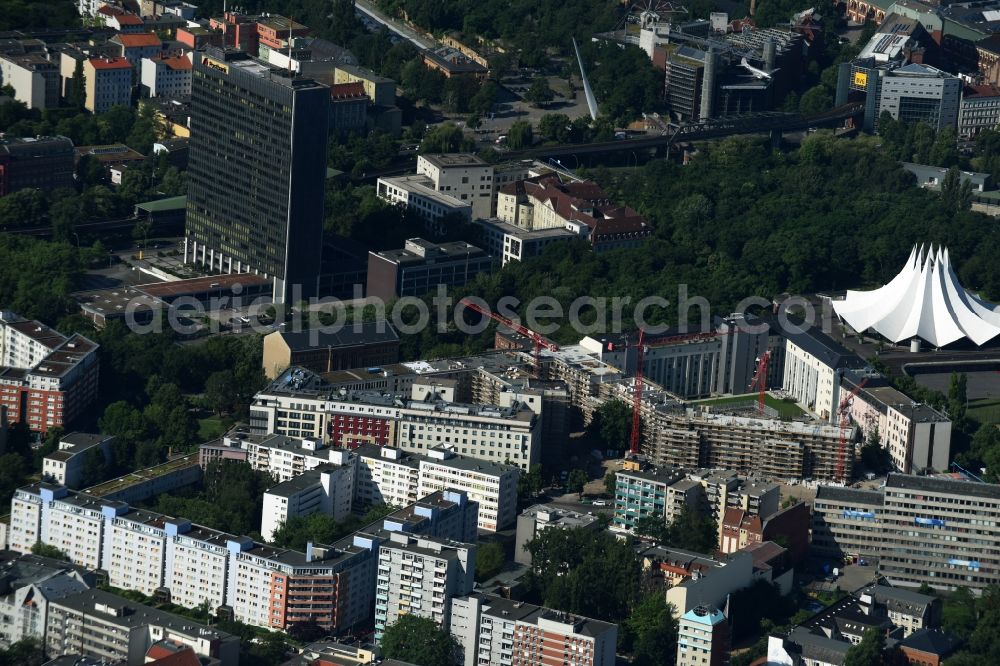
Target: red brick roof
584	202
348	90
128	19
142	39
175	62
110	63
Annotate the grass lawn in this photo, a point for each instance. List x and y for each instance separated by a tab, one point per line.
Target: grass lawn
210	427
986	410
787	410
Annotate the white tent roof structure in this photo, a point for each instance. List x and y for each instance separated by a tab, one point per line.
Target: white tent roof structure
924	301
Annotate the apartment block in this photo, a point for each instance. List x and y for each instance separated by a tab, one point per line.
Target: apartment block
28	584
916	436
540	517
419	576
108	83
418	195
34	78
663	493
46	378
99	624
386	476
703	637
332	585
941	531
65	465
37	163
847	522
641	494
692	580
135	47
492	630
285	458
271	222
813	365
167	76
326	489
493	485
463	176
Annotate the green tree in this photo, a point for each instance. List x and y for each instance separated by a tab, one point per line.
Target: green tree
584	572
220	391
650	632
445	138
13	473
576	480
652	527
25	652
958	613
956	192
692	530
490	560
610	482
816	100
77	94
530	484
23	208
519	135
482	102
419	640
868	652
51	552
539	93
611	426
555	127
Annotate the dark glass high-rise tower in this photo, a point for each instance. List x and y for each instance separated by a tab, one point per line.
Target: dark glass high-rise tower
256	170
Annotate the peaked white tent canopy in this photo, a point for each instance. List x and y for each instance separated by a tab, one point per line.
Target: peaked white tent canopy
924	301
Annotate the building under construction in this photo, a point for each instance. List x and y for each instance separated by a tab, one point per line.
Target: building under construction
767	446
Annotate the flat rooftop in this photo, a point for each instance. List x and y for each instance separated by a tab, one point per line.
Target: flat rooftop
424	186
202	285
446	160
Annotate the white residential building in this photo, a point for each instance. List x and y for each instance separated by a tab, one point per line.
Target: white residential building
65	465
419	576
386	476
108	82
136	551
34	78
417	194
814	364
30	583
167	76
916	436
463	176
285	458
493	485
100	624
328	489
331	585
702	637
493	631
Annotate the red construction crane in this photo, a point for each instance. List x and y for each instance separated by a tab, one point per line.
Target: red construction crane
844	411
759	381
538	340
633	448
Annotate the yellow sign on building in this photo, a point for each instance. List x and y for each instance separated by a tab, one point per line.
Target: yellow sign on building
861	79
